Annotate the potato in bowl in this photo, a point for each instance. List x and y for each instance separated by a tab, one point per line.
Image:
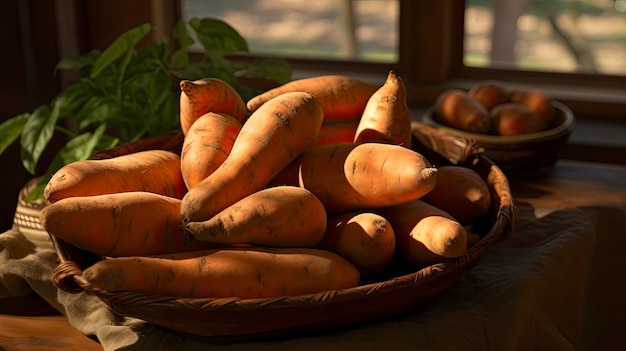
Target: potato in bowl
522	131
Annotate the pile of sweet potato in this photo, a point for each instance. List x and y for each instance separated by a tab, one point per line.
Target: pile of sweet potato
308	187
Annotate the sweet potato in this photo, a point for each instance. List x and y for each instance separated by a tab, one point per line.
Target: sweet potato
342	97
386	117
425	234
156	171
206	145
489	93
243	273
514	119
365	239
285	216
461	192
209	95
272	137
454	108
121	224
335	133
535	101
349	177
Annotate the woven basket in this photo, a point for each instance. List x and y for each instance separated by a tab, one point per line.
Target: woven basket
399	289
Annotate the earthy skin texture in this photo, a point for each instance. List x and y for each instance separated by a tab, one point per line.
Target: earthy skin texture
243	273
156	171
333	133
366	239
342	98
206	145
425	234
386	118
489	93
514	119
461	192
272	137
284	216
454	108
535	101
209	95
121	224
350	177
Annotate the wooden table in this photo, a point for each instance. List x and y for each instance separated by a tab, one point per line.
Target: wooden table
29	323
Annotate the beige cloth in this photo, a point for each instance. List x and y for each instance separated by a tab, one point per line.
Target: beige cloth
541	289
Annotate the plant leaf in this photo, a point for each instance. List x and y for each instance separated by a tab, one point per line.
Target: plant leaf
36	135
97	110
71	100
120	47
180	57
182	35
106	142
218	37
82	146
276	69
71	63
11	129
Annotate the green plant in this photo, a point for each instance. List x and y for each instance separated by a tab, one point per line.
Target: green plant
129	91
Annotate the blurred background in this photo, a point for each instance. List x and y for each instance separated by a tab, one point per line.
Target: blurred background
549	35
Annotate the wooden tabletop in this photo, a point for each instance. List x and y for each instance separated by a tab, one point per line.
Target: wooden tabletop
575	184
29	323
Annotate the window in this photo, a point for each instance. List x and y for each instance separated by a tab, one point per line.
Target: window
330	29
576	36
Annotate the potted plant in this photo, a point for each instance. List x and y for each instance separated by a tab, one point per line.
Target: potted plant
130	91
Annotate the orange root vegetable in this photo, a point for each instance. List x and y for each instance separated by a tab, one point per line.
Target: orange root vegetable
284	216
168	141
335	133
365	239
535	101
121	224
351	177
272	137
461	192
454	108
343	98
489	93
243	273
514	119
156	171
206	145
209	95
386	117
425	234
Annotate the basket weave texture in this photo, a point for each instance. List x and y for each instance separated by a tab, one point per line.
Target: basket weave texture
399	289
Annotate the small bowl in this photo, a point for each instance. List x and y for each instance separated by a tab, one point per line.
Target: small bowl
520	156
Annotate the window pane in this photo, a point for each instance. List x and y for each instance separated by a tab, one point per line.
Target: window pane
363	30
584	36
